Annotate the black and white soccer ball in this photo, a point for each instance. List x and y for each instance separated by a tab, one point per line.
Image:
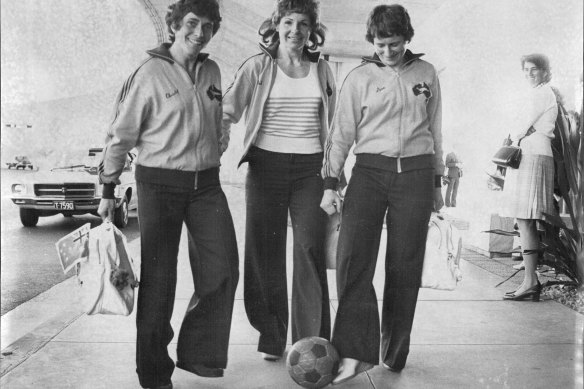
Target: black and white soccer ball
313	362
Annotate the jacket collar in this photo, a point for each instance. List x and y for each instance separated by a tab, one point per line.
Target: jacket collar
163	52
408	57
272	51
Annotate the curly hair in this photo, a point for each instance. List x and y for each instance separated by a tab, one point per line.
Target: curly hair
204	8
385	21
268	29
541	61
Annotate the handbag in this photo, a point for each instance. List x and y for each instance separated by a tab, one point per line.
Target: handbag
441	268
508	156
109	275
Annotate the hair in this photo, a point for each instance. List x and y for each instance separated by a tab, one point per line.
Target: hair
385	21
268	29
204	8
541	61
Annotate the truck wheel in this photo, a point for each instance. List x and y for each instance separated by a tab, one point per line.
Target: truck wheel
29	217
121	214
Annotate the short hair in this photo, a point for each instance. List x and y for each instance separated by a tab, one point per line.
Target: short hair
541	61
204	8
385	21
268	30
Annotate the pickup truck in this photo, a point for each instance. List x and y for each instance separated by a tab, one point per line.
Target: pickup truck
73	190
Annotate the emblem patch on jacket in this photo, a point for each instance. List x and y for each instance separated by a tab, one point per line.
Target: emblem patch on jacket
214	93
422	89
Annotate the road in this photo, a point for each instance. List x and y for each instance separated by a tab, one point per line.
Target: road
29	262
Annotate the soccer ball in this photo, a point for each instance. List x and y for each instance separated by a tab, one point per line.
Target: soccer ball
312	362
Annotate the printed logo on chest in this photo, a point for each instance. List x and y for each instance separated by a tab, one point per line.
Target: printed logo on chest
214	93
422	88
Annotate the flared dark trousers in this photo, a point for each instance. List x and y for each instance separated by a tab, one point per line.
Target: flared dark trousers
204	333
407	198
278	183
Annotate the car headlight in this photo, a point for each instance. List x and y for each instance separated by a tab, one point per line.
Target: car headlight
19	189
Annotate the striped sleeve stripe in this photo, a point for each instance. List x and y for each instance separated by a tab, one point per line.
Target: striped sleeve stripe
326	167
128	84
126	88
238	69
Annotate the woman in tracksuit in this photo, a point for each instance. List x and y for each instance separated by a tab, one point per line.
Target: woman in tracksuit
169	109
390	107
288	93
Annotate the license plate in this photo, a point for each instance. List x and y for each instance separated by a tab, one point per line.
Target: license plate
64	205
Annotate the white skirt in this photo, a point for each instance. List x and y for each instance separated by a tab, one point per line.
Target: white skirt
528	190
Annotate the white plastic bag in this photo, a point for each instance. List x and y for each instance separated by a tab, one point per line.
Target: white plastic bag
109	275
442	259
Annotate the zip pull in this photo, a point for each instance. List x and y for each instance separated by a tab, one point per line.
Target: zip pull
399	169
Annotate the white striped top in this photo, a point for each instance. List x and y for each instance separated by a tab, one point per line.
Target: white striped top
291	121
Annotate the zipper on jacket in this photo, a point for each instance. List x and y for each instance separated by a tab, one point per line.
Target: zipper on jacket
200	107
401	92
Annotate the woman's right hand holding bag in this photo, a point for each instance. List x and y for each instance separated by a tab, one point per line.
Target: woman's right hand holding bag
331	202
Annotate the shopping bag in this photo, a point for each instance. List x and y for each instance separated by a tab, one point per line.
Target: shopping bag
333	226
442	259
109	275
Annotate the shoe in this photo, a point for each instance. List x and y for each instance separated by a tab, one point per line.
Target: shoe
391	368
166	386
533	293
271	357
519	266
346	374
201	370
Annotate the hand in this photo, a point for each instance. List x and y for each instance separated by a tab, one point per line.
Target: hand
106	209
438	200
331	202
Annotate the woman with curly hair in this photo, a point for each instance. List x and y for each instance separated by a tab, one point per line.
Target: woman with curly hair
159	111
288	94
